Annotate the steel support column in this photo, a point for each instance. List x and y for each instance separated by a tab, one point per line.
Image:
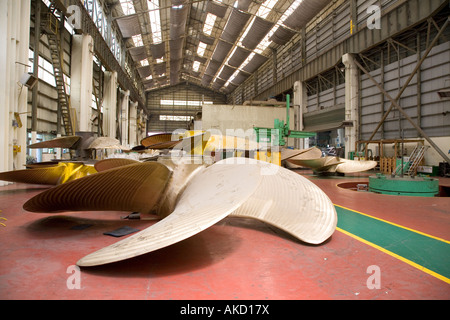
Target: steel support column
351	101
34	94
110	104
300	101
81	79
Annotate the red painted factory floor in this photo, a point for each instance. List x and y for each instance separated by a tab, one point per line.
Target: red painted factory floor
234	259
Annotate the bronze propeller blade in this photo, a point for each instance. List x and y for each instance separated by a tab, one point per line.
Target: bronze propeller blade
107	164
48	175
58	173
130	188
157	139
61	142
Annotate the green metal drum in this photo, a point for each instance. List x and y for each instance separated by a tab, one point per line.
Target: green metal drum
406	186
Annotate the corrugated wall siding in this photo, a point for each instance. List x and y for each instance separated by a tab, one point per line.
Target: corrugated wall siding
429	109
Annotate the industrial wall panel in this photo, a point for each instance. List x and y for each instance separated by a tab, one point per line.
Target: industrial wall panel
340	94
311	103
341	22
326	98
294	59
182	99
311	44
361	9
363	5
325	33
434	76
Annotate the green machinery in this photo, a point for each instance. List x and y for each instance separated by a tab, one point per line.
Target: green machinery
276	136
404	181
404	186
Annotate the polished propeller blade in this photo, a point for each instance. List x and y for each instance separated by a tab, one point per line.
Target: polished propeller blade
334	164
352	166
209	197
291	203
129	188
299	154
327	163
310	153
105	143
289	153
183	170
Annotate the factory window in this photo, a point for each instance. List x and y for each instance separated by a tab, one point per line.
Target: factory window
45	71
175	118
183	103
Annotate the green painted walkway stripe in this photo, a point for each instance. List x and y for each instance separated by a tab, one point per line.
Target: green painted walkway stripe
425	251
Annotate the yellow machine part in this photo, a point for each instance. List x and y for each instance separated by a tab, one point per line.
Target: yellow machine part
74	171
269	156
215	142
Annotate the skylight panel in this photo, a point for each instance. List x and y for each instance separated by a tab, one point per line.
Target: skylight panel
201	49
155	20
265	8
196	66
127	7
209	23
263	12
137	39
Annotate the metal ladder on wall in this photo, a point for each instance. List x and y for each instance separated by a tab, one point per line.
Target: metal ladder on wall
50	25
